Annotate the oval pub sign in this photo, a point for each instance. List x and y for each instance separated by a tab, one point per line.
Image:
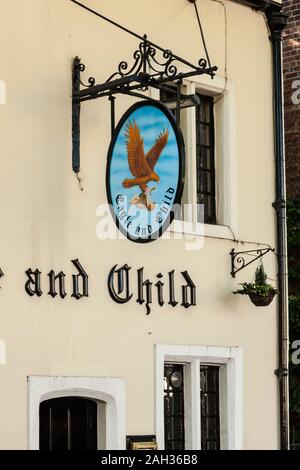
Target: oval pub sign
145	171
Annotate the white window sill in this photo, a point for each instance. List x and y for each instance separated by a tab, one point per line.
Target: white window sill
202	230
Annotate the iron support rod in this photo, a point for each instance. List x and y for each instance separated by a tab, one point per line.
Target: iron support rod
142	38
208	71
112	113
277	22
178	99
93	90
76	116
239	256
137	95
202	35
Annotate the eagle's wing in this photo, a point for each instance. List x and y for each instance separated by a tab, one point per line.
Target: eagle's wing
154	153
135	151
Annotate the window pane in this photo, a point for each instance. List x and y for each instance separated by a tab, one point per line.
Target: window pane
205	158
204	110
210	413
174	406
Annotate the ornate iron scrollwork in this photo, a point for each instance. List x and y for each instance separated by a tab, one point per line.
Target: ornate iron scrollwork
238	261
152	66
149	66
91	80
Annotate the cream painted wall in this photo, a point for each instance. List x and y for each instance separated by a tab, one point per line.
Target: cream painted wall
46	220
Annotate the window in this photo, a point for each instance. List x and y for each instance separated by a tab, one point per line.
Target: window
174	415
68	423
210	409
199	397
205	156
174	406
218	108
204	147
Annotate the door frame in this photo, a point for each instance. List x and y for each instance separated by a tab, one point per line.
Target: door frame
108	390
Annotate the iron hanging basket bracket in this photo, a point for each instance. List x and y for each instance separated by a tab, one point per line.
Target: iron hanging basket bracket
238	261
152	66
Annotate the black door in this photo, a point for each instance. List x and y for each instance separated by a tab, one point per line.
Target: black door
68	423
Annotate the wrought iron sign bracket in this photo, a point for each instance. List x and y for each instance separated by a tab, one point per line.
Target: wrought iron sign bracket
153	67
238	261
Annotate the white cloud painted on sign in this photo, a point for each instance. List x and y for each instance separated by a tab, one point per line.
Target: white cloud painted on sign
2	92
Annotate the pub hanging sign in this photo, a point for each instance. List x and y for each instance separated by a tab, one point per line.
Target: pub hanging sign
145	171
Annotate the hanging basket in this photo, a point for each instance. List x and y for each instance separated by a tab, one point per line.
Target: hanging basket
260	300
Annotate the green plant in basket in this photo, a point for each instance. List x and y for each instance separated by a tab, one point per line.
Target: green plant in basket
260	292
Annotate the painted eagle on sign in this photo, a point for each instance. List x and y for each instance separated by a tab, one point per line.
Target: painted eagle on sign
141	166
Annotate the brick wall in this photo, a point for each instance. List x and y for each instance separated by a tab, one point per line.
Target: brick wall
291	73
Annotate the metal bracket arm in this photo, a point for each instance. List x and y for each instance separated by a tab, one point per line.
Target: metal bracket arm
238	261
152	67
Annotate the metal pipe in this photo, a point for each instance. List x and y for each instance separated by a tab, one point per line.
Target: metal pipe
277	22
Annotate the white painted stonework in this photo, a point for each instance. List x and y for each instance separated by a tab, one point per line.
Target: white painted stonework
2	353
2	92
47	220
230	360
108	390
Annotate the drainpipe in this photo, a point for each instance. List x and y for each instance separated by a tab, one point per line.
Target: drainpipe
277	21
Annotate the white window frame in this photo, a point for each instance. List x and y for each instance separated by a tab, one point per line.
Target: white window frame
230	360
108	390
225	159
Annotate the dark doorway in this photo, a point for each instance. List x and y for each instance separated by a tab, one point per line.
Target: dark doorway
68	423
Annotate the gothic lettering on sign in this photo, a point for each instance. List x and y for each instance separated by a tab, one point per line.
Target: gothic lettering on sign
119	288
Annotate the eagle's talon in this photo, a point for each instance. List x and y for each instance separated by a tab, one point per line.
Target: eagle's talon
127	184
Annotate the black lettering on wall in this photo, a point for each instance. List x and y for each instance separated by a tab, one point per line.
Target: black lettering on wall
83	277
159	285
33	284
141	285
1	274
52	281
172	300
190	288
122	284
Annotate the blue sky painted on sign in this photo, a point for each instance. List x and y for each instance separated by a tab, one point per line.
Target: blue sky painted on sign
151	121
